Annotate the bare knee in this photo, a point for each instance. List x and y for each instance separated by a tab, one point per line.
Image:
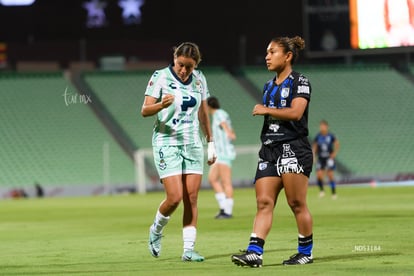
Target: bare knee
296	205
173	201
264	203
193	198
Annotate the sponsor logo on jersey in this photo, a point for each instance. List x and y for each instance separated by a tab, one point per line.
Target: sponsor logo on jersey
288	163
175	121
267	142
274	127
303	80
303	89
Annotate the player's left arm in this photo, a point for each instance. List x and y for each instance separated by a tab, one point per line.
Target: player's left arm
204	119
301	91
228	130
335	148
292	113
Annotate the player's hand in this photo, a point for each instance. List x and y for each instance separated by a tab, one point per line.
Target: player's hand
259	109
167	100
211	153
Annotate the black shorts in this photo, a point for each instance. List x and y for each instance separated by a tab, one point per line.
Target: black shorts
325	164
287	157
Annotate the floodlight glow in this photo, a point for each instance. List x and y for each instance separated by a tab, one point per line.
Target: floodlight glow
16	2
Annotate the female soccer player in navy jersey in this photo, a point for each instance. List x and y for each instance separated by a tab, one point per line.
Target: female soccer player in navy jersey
325	148
285	157
177	95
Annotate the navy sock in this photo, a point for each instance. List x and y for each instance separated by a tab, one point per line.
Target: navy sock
320	184
333	186
256	245
305	245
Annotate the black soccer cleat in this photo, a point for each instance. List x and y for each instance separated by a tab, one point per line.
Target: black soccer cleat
298	259
248	258
223	215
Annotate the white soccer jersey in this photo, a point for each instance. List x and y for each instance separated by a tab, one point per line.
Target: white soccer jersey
177	124
223	144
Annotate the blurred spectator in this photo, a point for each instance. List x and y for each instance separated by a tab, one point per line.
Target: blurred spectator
18	193
3	55
39	190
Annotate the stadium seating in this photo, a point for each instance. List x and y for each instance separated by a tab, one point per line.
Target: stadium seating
368	108
50	135
237	101
122	94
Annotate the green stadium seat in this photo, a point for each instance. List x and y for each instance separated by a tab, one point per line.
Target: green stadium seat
51	141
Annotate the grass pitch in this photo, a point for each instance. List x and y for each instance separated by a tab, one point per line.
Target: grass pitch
366	231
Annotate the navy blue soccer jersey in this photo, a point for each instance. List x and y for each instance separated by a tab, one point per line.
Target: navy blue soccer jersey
325	145
275	130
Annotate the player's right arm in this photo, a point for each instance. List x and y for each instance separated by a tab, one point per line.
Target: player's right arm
315	150
155	99
151	105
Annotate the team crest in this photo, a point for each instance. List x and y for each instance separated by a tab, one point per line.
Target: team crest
285	92
162	165
262	166
199	87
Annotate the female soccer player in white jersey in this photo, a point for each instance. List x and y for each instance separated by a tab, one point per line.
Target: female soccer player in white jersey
220	172
285	158
177	95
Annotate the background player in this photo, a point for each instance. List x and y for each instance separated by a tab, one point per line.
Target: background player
325	148
220	172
